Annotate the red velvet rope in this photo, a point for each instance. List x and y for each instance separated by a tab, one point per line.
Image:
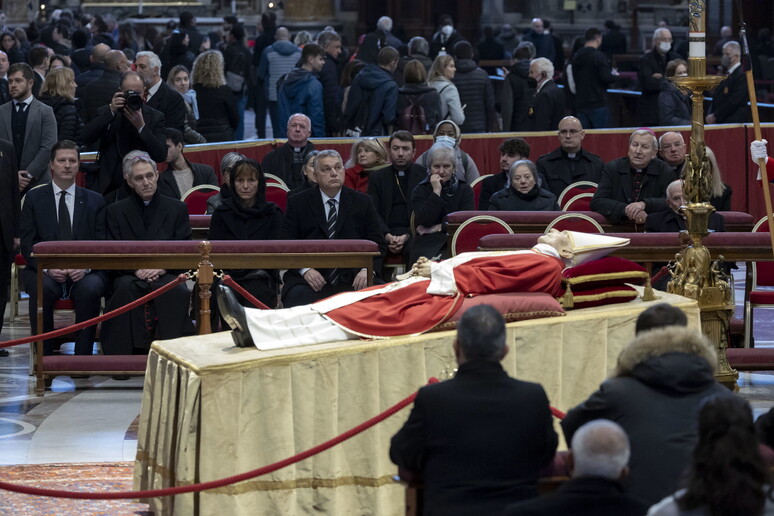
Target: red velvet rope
558	414
213	484
227	280
81	325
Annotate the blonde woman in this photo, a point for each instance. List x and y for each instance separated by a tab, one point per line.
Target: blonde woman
441	74
368	154
218	117
58	91
721	192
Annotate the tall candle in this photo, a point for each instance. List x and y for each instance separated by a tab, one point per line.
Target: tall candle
697	29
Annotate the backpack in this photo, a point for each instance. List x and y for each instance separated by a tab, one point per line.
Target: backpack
357	123
412	118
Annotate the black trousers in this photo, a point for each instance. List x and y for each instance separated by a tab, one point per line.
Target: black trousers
168	314
86	295
5	278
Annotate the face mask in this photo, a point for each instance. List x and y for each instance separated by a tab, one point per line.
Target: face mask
446	140
532	83
682	74
665	46
446	30
725	61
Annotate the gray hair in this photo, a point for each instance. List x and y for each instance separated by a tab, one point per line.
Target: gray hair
308	120
134	157
523	163
661	138
440	151
674	184
228	161
644	132
384	23
660	32
327	153
418	45
327	37
600	449
481	333
153	59
544	65
736	49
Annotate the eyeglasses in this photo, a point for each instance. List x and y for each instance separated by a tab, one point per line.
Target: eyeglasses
569	132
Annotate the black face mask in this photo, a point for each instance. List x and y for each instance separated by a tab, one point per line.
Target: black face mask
532	83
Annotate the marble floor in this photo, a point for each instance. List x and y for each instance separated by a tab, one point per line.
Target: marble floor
95	419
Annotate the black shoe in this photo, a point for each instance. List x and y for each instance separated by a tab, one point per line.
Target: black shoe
121	377
234	314
4	353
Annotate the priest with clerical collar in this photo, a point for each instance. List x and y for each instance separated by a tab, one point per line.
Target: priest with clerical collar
634	186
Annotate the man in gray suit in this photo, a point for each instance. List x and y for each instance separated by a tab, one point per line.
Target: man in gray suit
28	124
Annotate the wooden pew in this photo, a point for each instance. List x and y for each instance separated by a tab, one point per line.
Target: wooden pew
180	255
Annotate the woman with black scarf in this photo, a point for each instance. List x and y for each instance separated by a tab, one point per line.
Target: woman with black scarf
246	215
439	194
523	194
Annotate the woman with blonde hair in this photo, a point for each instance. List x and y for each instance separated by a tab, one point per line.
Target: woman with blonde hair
218	117
441	74
721	192
58	91
368	154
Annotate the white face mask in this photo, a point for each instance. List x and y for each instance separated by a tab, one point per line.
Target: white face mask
665	46
446	30
446	140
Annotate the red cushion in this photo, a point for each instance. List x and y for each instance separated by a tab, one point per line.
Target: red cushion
751	359
127	363
515	306
64	304
603	296
762	297
608	271
19	260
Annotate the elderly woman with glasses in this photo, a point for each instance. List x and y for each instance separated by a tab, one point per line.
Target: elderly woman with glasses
523	192
439	194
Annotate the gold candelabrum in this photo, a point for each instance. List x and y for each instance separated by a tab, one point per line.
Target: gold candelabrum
693	273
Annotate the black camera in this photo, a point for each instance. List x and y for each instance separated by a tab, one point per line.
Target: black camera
133	100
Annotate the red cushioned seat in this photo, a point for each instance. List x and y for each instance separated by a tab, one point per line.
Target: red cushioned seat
19	260
751	359
762	297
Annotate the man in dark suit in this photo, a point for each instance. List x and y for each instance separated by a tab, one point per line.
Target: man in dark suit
390	188
145	215
598	462
511	151
181	175
287	161
9	221
160	96
121	128
328	210
5	94
60	210
39	59
30	125
547	107
97	62
569	163
730	98
650	72
671	220
634	186
480	439
100	91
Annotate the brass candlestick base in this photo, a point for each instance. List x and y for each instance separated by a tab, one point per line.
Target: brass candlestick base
694	274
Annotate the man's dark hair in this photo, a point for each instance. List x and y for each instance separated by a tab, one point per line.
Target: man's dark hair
481	333
523	52
24	68
463	50
238	32
79	39
658	316
268	20
592	34
231	20
38	56
404	136
64	145
515	146
100	23
174	135
387	55
186	17
310	51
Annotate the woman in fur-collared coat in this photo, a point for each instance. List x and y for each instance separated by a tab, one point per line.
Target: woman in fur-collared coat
655	393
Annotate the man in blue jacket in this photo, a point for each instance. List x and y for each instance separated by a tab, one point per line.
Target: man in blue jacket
277	60
375	90
302	92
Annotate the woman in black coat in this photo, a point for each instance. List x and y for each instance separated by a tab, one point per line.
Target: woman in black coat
416	90
218	117
247	216
58	91
439	194
523	194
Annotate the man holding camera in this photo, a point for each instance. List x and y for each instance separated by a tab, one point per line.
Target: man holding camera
124	125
